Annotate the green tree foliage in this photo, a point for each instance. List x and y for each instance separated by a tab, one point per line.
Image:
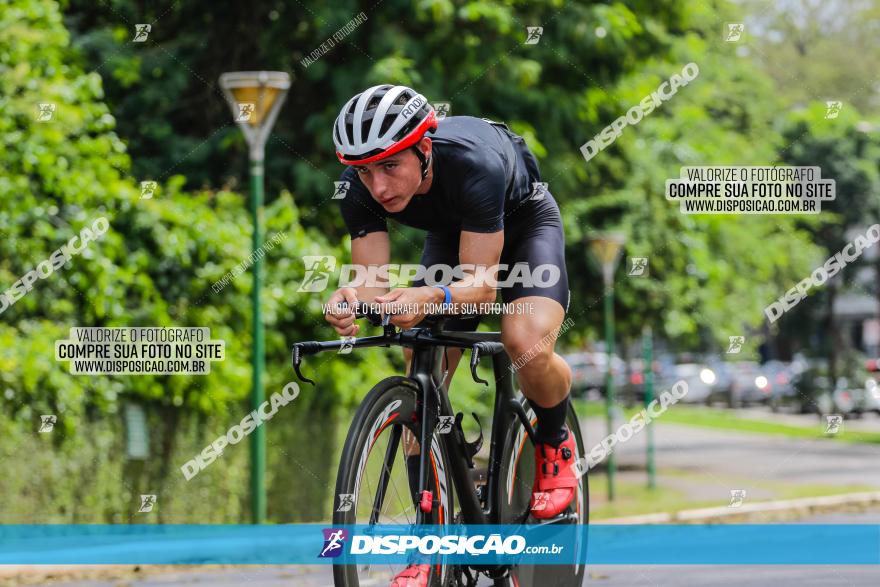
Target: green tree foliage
163	118
817	50
154	267
847	149
592	63
705	283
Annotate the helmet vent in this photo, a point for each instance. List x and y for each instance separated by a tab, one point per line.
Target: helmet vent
386	124
408	128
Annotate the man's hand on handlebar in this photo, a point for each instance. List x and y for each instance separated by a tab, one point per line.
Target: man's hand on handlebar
342	318
408	305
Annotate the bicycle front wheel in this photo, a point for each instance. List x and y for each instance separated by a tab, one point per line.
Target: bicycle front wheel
375	483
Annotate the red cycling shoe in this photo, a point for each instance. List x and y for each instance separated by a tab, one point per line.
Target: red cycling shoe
555	478
412	576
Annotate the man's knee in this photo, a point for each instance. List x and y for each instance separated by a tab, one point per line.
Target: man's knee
566	372
528	351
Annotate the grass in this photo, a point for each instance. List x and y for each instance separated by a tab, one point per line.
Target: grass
634	499
729	420
588	409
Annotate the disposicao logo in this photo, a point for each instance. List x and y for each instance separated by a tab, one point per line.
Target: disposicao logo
334	541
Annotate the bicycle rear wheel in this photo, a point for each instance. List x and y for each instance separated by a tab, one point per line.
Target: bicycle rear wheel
373	472
515	490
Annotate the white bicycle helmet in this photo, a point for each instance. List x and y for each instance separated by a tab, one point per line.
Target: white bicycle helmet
381	121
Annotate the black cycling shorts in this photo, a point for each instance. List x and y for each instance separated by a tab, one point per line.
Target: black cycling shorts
533	234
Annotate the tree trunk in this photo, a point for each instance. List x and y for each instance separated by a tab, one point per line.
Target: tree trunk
833	337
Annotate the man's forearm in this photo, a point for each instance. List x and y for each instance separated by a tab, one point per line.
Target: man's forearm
469	294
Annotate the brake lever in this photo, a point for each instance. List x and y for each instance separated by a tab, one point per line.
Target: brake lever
297	359
475	360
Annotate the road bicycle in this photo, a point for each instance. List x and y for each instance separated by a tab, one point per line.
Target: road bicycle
385	478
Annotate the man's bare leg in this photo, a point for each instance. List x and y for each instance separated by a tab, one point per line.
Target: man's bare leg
545	379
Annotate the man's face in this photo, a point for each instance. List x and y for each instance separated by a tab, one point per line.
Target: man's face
393	181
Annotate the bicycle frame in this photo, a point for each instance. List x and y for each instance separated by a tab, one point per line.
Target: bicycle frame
436	402
426	371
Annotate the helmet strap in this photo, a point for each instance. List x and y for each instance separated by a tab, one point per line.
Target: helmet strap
425	162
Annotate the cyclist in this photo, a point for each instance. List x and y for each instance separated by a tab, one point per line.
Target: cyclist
470	186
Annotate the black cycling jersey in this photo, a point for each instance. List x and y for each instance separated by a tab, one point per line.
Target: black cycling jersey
483	176
483	182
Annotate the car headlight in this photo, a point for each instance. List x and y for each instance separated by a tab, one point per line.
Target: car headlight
761	382
707	376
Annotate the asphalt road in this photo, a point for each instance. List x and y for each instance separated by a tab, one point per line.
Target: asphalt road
706	464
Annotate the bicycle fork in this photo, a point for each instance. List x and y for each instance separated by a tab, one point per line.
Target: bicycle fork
430	382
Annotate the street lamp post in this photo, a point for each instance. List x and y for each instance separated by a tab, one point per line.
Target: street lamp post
648	375
607	249
255	98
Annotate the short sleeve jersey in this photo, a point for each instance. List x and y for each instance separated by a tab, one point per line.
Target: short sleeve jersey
482	170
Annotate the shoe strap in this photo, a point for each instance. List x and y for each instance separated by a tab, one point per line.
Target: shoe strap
551	454
557	483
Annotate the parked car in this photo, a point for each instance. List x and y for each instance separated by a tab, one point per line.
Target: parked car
750	384
812	390
632	388
872	395
588	370
872	386
781	377
722	387
846	399
850	394
723	375
851	399
699	379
